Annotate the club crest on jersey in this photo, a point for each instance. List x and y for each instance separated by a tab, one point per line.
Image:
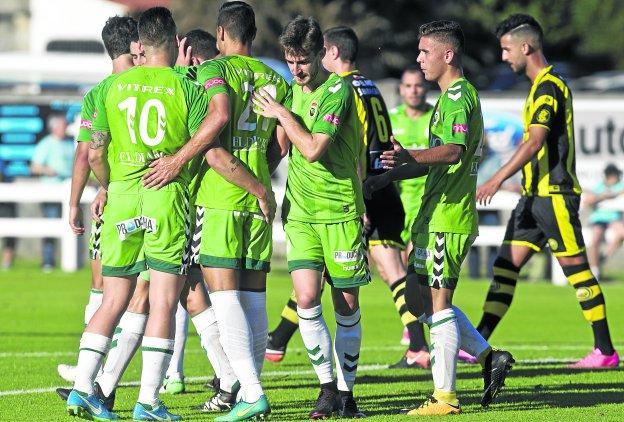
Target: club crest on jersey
436	118
313	109
543	116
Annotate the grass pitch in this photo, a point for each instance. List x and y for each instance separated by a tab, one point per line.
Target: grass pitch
41	319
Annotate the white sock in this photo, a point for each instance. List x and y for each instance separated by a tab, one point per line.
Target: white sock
126	340
254	306
347	349
444	334
236	341
93	348
206	325
471	340
156	356
95	300
317	341
176	366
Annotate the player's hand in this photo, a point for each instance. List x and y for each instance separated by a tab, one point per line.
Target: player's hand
161	172
486	191
184	53
98	204
366	222
268	206
75	220
397	156
265	105
374	183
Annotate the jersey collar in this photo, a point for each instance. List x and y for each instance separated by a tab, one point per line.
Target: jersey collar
541	74
350	72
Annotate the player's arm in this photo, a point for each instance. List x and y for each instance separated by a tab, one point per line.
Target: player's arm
98	159
80	175
525	152
80	168
380	181
165	169
311	145
278	148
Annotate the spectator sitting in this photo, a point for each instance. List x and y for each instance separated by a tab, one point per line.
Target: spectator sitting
602	219
52	161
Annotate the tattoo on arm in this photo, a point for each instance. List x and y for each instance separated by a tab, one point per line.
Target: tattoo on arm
235	164
99	140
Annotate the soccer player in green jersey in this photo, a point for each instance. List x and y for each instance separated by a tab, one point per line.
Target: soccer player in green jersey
446	224
384	218
322	210
410	127
150	111
120	38
235	230
548	211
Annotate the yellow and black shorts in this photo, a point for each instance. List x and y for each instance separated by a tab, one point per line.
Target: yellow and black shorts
386	216
554	219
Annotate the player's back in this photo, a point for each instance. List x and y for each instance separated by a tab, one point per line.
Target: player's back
247	134
150	112
373	114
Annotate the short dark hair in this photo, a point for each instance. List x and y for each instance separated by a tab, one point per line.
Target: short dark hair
449	32
345	40
117	34
238	19
302	37
157	27
412	68
202	43
519	23
612	170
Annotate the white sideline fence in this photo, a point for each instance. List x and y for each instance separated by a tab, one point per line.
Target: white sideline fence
36	192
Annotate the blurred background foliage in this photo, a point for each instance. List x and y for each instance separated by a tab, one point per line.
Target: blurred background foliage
579	34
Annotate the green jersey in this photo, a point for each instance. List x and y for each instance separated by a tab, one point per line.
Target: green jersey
412	134
329	189
150	112
448	204
87	114
247	134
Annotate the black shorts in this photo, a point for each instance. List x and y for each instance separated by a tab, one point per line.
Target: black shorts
538	220
386	216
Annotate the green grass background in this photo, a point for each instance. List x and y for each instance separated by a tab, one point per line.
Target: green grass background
41	320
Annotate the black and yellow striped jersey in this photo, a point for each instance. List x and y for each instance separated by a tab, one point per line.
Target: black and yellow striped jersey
373	116
553	169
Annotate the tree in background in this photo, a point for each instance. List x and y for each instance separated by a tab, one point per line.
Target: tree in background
581	33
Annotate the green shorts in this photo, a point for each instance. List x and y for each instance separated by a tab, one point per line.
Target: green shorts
339	247
233	239
94	240
145	228
437	257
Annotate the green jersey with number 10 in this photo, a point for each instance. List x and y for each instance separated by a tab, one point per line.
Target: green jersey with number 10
247	134
150	112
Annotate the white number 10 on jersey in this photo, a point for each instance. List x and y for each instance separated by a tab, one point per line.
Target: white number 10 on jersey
129	105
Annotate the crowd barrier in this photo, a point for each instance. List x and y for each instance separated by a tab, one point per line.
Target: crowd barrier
34	192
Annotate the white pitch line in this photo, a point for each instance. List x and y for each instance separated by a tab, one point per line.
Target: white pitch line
301	350
268	374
